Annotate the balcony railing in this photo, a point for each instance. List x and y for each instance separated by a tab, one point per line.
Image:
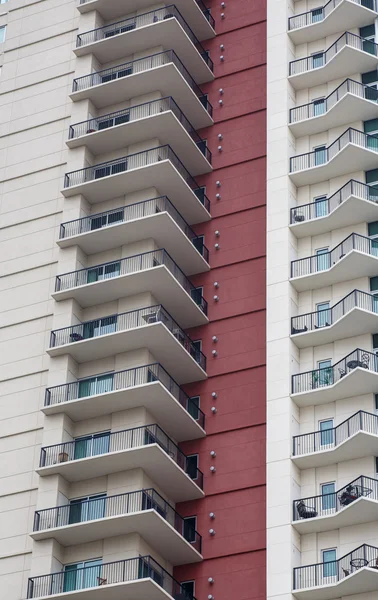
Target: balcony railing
139	66
320	59
323	207
318	441
320	157
143	20
105	443
134	113
136	161
317	108
131	212
126	266
115	506
329	504
329	573
122	322
121	571
319	14
325	318
326	376
322	262
123	380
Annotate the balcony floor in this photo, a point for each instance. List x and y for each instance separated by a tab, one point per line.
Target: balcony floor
165	78
352	211
348	13
163	126
360	582
355	383
356	322
345	63
158	401
118	8
353	263
164	346
362	510
156	463
155	530
157	280
140	589
357	446
167	35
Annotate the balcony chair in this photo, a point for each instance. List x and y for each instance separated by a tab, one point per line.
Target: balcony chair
306	512
76	337
294	330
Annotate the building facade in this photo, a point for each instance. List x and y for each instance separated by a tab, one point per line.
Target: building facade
133	344
322	327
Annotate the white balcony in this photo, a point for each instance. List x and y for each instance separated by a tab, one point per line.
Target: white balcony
358	581
151	328
348	55
147	386
355	254
163	27
163	71
349	102
322	22
195	13
160	119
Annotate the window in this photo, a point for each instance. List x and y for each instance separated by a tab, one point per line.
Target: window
107	219
92	445
199	242
195	350
189	529
368	33
376	403
371	81
321	206
329	563
106	123
95	385
319	106
317	60
328	496
376	465
87	509
325	372
374	291
113	169
204	100
320	155
146	570
201	193
3	31
192	466
196	294
3	1
326	432
324	314
202	146
192	406
322	259
104	272
371	128
188	588
373	235
98	327
82	575
317	15
117	74
371	178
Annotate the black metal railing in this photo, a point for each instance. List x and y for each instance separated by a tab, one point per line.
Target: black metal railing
309	63
318	441
326	376
121	571
317	108
122	322
329	504
324	318
329	573
136	161
320	157
143	20
131	212
134	113
114	506
141	65
122	380
324	207
322	262
105	443
125	266
319	14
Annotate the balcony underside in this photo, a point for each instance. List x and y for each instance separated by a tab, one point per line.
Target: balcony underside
351	211
164	345
343	162
360	582
168	35
165	78
130	590
163	126
353	264
356	322
158	401
345	63
357	382
349	109
159	226
348	13
357	446
362	510
151	458
157	280
119	8
155	530
162	175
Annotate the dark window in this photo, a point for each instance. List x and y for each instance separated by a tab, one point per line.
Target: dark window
189	529
198	243
376	465
376	401
375	341
195	350
193	405
196	294
373	229
192	466
188	588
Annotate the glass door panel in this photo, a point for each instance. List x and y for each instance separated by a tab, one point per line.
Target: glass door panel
321	206
326	433
329	563
328	496
324	314
322	259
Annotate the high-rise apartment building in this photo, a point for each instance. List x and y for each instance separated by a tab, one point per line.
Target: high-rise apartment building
322	299
132	302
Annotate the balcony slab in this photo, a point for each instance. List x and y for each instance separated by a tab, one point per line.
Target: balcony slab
362	510
359	445
360	582
129	590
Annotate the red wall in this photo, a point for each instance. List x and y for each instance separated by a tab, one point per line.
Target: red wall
235	555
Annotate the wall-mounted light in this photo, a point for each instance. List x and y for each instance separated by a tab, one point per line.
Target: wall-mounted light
220	136
212	515
218	183
218	196
216	284
214	395
220	149
221	58
216	298
220	102
215	339
217	233
217	246
212	531
213	454
213	410
214	353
